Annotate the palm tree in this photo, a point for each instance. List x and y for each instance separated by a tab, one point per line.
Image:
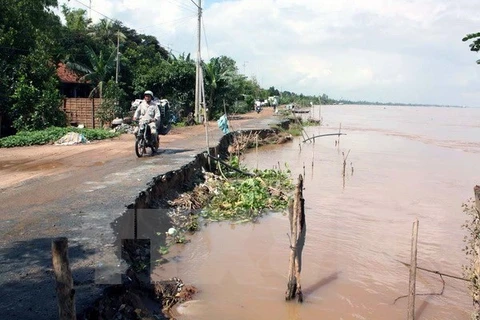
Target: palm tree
217	76
105	32
98	71
475	45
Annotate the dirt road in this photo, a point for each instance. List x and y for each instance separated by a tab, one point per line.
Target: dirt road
78	192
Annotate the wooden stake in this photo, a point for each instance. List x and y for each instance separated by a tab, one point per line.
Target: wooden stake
63	279
339	133
313	153
345	162
297	241
413	272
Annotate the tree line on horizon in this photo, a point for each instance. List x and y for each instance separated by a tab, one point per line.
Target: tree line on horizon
33	41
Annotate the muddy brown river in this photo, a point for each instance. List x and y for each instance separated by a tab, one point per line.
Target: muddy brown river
408	163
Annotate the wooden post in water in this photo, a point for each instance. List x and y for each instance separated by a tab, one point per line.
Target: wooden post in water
297	241
63	279
339	132
413	273
476	262
345	162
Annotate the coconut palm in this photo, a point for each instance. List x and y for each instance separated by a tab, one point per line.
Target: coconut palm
107	32
99	70
218	75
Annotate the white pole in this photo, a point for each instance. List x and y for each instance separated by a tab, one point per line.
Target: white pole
118	63
197	74
205	119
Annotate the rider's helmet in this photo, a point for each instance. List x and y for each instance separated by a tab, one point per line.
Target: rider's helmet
148	92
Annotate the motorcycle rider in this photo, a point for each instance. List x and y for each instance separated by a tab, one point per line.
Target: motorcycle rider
148	111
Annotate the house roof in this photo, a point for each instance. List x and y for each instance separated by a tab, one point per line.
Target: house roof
67	75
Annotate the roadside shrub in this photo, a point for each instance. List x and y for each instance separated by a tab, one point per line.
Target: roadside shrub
50	135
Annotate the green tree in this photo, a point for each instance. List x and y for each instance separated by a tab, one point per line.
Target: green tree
36	99
98	71
113	103
273	92
107	32
27	32
178	82
475	45
220	75
76	19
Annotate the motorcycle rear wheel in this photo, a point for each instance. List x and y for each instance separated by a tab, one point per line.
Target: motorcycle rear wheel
140	148
154	147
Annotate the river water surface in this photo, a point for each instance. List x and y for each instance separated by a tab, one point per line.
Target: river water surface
404	163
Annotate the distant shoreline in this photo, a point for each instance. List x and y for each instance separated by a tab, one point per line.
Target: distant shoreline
398	105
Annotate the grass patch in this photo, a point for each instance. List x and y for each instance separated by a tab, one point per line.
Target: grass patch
50	135
180	124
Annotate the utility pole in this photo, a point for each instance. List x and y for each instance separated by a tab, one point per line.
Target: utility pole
244	65
118	60
197	74
90	10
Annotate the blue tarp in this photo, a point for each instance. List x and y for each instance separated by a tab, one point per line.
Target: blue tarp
223	124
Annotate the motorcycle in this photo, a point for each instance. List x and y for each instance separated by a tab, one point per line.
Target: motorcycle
145	139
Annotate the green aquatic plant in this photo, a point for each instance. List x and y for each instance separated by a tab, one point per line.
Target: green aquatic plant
246	198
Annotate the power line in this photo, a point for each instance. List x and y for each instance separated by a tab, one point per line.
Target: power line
182	5
173	22
206	41
196	4
114	20
83	4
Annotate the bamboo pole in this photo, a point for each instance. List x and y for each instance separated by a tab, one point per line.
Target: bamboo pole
324	135
63	279
256	148
229	166
413	272
297	241
434	271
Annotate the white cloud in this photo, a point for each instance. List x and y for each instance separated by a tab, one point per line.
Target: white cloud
403	50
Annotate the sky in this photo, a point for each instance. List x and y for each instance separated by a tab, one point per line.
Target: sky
407	51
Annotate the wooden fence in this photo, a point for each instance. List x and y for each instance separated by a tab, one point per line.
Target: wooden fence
82	111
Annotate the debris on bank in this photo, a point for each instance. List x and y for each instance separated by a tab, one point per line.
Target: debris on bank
138	298
123	128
